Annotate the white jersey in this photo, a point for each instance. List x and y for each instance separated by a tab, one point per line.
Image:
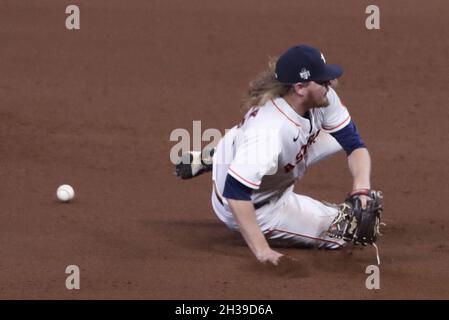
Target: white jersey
267	151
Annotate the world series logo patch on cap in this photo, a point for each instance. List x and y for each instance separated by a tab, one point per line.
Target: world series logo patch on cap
304	74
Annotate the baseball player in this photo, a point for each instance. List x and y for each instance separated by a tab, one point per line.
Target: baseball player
294	120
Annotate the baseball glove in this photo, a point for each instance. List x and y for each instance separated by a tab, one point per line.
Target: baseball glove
354	223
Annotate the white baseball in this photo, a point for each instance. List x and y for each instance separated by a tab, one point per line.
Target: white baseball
65	193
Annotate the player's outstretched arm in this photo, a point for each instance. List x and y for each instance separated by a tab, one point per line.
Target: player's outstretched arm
245	216
359	162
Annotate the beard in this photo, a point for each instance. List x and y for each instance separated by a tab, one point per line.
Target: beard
323	103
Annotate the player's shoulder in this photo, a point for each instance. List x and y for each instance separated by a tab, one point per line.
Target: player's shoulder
266	116
283	114
335	104
335	115
333	97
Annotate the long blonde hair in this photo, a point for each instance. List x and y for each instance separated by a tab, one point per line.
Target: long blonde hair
264	87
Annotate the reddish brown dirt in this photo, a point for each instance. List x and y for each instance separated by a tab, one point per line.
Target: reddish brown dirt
95	108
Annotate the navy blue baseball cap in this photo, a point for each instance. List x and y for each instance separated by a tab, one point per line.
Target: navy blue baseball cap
304	63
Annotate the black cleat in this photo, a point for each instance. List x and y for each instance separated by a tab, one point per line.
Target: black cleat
194	163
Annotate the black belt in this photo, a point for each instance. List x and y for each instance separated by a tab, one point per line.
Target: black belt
256	205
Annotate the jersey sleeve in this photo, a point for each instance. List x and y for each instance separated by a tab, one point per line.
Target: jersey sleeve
234	189
336	115
349	138
257	155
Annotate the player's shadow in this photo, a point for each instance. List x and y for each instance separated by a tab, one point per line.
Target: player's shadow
287	267
348	259
212	236
299	262
204	235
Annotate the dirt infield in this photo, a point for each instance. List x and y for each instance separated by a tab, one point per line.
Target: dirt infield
95	108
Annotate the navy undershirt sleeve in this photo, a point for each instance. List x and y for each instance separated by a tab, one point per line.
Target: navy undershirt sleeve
349	138
236	190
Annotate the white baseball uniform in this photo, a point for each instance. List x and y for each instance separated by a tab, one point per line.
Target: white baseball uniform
269	151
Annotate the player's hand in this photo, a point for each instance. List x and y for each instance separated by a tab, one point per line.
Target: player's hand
269	256
362	195
363	201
